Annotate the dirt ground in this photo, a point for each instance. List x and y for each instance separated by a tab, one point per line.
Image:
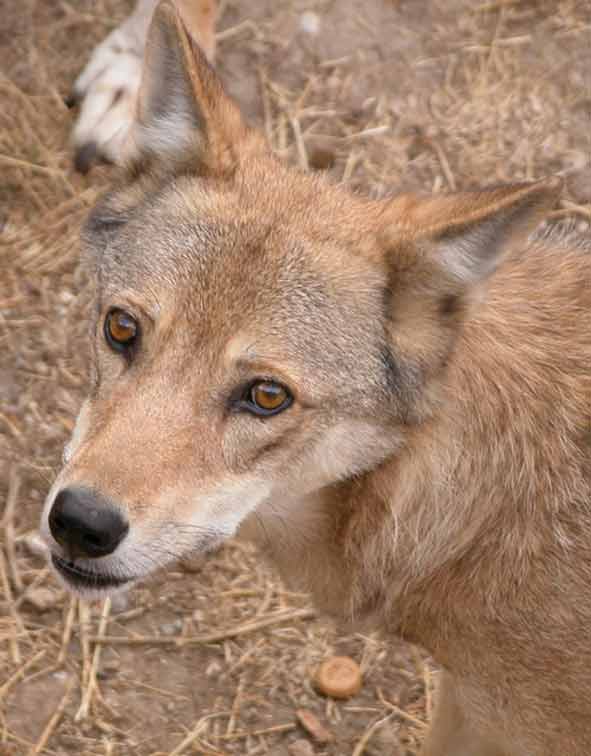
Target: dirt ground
217	658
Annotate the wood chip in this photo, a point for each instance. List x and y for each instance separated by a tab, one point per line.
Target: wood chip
338	677
314	726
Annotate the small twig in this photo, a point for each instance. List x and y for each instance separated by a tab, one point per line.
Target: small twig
443	162
400	712
67	633
334	62
263	607
246	655
300	146
82	712
368	734
14	678
83	621
234	632
370	132
18	625
523	39
495	5
236	706
12	427
8	524
198	730
350	165
53	722
35	167
41	673
234	30
287	727
152	688
572	208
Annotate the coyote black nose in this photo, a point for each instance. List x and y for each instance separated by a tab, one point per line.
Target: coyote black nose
85	524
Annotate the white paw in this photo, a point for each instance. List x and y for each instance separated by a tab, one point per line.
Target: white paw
107	90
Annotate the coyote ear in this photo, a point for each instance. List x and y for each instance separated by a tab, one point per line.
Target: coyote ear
439	250
183	114
465	234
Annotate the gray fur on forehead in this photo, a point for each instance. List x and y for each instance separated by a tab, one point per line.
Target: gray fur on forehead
152	246
177	236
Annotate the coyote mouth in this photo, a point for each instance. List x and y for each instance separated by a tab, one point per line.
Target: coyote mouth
78	577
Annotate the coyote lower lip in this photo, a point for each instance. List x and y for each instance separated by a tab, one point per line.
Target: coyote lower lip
81	578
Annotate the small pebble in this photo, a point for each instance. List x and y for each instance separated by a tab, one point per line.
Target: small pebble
171	628
41	367
35	545
198	617
119	603
42	599
338	677
213	669
300	748
314	726
310	22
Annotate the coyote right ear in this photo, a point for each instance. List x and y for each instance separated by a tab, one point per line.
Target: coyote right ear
461	237
183	114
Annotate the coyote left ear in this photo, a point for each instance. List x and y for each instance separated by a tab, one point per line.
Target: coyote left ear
463	235
183	114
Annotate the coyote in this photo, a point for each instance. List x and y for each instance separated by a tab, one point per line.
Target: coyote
393	398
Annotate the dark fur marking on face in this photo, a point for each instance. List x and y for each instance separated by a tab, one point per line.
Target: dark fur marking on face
392	371
450	305
387	302
395	374
102	223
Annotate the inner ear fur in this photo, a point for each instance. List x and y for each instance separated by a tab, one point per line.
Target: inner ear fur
438	250
462	237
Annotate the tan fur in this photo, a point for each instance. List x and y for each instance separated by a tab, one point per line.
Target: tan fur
433	475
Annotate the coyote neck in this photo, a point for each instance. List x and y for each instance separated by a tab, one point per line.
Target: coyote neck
490	496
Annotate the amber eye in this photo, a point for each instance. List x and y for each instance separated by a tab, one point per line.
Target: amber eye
121	329
268	398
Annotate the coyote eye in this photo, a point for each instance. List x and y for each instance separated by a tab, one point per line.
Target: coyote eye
267	398
121	330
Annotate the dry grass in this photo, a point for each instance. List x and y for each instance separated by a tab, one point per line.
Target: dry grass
430	95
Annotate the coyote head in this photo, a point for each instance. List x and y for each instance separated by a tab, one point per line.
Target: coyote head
258	334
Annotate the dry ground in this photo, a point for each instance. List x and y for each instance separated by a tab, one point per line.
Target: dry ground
430	94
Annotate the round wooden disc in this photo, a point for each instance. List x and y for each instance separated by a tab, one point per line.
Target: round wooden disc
338	677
